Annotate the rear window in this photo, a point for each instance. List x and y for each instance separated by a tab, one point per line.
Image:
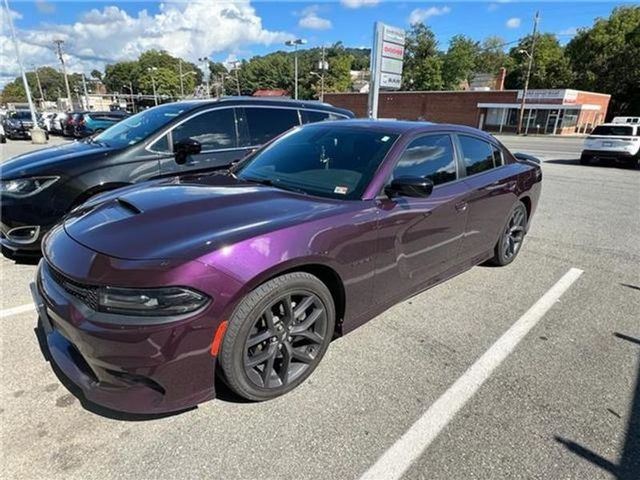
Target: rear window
613	130
267	123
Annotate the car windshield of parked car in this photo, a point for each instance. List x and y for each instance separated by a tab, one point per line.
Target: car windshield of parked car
20	115
139	126
613	130
325	160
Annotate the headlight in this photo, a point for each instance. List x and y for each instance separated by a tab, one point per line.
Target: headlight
150	301
24	187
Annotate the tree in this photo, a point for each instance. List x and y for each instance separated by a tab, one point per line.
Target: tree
460	62
551	67
605	59
492	56
422	61
97	74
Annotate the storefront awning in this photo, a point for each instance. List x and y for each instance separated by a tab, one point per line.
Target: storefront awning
542	106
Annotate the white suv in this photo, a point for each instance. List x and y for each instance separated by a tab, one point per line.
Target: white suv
613	141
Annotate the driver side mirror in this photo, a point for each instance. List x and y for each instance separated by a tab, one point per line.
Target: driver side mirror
409	187
183	148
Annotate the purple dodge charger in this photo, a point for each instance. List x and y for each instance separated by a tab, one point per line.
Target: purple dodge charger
146	293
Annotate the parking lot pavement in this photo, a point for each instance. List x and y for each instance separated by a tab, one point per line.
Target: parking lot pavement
564	404
16	147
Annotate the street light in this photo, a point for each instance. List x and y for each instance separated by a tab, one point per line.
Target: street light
235	66
130	87
207	73
294	44
153	83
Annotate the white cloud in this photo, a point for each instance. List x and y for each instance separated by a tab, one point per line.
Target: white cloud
311	20
44	6
359	3
513	22
107	35
568	31
422	14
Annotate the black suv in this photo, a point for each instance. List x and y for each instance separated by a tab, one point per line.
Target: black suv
39	188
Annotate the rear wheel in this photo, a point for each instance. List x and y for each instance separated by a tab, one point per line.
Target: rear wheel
3	139
585	159
277	336
512	236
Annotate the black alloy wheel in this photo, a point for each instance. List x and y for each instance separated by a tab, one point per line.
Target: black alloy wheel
277	336
512	236
285	340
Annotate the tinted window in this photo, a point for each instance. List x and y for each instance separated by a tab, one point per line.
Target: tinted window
161	145
497	156
139	126
214	130
614	130
312	116
428	157
267	123
321	160
477	154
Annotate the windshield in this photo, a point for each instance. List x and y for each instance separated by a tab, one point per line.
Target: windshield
21	115
615	130
139	126
325	160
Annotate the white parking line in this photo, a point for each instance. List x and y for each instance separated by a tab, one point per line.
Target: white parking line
399	457
16	310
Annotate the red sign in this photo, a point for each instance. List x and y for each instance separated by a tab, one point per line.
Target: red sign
392	50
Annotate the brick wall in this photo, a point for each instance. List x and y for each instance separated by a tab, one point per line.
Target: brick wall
444	107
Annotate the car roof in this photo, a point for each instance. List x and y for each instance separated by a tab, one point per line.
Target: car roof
613	124
263	101
402	127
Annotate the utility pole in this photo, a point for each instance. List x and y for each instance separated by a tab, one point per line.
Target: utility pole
37	135
153	84
530	54
323	69
64	70
86	94
207	73
294	44
35	69
181	80
236	68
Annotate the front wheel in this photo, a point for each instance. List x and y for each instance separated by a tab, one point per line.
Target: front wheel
277	336
3	139
510	242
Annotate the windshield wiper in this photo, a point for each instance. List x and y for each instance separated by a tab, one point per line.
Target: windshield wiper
270	183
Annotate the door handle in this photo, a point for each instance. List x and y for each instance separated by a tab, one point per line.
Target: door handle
461	207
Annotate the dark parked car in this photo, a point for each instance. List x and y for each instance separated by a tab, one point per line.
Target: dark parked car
18	124
90	123
39	188
145	294
70	124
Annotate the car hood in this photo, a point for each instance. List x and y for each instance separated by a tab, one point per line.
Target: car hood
186	218
49	159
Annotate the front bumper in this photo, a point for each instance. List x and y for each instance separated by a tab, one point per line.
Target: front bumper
137	369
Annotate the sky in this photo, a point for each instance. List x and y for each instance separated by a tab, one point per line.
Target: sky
101	32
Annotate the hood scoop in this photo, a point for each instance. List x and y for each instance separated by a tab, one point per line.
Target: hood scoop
128	206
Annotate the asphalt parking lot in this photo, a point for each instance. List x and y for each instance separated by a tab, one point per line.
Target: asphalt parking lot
564	402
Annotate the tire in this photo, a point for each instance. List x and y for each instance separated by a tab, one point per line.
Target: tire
262	338
3	139
511	237
585	159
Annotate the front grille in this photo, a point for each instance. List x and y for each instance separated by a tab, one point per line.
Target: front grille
87	294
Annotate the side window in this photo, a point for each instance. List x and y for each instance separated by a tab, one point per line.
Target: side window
266	123
215	130
428	157
477	154
161	145
311	116
497	156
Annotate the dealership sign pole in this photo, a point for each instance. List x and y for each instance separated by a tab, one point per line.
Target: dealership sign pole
386	63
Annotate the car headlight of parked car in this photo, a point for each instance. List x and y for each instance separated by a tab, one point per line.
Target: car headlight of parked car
24	187
164	301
